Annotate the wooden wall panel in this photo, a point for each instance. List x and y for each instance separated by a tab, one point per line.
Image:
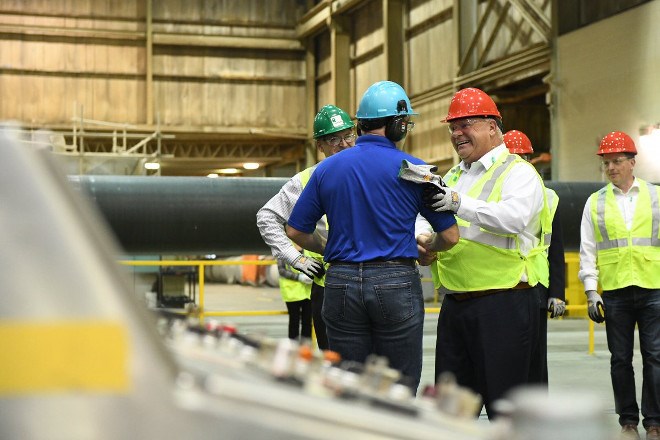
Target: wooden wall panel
429	46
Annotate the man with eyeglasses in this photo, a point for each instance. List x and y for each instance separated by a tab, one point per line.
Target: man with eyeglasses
488	324
373	301
620	249
333	132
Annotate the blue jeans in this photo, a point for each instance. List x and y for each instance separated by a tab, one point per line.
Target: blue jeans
623	309
376	308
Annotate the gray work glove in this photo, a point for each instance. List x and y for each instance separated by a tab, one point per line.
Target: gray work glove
309	266
423	175
596	307
556	307
305	279
448	200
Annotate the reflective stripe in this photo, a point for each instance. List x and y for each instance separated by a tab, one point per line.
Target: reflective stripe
600	214
655	214
609	244
474	232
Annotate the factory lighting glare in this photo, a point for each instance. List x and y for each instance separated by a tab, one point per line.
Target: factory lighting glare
152	165
213	175
250	165
228	171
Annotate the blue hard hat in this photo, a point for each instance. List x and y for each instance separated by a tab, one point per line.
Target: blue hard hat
382	99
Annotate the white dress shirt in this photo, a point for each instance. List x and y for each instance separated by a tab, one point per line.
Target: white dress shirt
627	203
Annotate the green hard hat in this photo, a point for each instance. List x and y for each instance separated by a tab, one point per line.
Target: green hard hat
331	119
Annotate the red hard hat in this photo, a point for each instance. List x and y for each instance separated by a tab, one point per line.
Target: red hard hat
617	142
517	142
471	102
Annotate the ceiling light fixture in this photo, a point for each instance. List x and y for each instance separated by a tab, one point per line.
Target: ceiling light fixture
152	165
251	165
229	171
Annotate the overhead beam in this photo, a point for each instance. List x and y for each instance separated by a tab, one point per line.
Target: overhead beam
227	41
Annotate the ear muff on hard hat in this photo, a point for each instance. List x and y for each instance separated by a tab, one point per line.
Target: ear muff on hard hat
331	119
517	142
471	102
616	142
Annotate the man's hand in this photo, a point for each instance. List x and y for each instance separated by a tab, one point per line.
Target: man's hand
447	200
556	307
305	279
309	266
596	307
426	256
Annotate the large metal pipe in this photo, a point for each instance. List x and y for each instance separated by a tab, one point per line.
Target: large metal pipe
198	215
182	215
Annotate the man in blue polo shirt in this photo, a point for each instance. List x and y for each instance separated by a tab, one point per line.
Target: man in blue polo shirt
373	299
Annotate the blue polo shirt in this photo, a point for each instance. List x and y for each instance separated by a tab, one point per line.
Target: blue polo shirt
371	212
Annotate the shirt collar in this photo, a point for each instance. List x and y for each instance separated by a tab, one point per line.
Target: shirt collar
372	139
487	160
635	186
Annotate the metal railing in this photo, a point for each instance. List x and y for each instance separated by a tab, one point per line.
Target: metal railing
201	313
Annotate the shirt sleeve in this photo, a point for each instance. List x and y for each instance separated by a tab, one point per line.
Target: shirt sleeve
308	211
273	216
588	272
422	226
522	201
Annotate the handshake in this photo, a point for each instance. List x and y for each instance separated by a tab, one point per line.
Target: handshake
437	195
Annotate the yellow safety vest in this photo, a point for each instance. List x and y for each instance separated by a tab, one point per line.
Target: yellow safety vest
304	179
487	260
294	290
627	257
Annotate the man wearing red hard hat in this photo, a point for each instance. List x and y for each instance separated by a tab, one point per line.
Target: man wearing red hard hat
620	249
488	324
552	298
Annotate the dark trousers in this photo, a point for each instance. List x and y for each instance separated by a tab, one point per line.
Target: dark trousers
488	342
538	373
319	325
625	308
300	319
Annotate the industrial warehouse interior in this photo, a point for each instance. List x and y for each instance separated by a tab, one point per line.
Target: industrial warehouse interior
139	138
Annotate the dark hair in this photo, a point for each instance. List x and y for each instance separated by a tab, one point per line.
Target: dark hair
372	124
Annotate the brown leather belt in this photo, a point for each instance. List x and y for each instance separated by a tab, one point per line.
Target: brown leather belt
479	293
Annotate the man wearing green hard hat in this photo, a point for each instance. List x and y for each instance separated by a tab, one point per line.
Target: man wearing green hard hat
333	132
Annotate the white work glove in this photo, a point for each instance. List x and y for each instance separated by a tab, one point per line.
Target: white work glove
309	266
556	307
447	200
596	307
305	279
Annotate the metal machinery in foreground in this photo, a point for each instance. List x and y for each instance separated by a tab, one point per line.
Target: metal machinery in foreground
82	358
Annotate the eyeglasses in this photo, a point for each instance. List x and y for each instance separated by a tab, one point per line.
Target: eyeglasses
616	162
464	124
334	141
410	125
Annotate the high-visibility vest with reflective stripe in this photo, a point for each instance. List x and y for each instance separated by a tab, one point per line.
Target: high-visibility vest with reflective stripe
294	290
304	179
482	259
627	257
